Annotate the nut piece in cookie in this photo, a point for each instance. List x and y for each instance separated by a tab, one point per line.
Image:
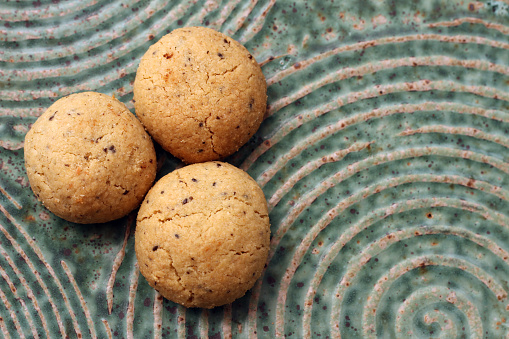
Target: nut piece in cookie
200	94
202	234
88	158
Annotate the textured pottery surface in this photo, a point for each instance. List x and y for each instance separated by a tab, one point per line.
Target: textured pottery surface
383	156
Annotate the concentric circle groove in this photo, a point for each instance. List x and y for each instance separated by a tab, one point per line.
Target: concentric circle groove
463	39
456	298
83	304
327	130
365	223
375	248
429	260
459	21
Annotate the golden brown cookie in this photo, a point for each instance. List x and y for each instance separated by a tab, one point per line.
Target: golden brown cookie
202	234
88	158
200	94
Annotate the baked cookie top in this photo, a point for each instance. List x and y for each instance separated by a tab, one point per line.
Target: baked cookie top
200	94
88	158
202	234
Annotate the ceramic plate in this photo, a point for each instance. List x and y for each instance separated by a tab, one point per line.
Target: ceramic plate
383	157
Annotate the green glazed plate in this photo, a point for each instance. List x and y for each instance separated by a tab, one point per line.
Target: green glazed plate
383	157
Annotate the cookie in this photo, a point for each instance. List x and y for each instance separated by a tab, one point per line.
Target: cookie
200	94
88	159
202	234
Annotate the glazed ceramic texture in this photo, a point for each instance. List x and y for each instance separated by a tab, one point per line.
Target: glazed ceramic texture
383	156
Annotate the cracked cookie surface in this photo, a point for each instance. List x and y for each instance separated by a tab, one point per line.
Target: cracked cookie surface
88	158
202	234
200	94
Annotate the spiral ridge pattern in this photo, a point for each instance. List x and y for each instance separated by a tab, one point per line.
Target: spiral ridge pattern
383	156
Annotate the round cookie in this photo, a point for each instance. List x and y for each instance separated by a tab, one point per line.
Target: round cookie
88	159
200	94
202	234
